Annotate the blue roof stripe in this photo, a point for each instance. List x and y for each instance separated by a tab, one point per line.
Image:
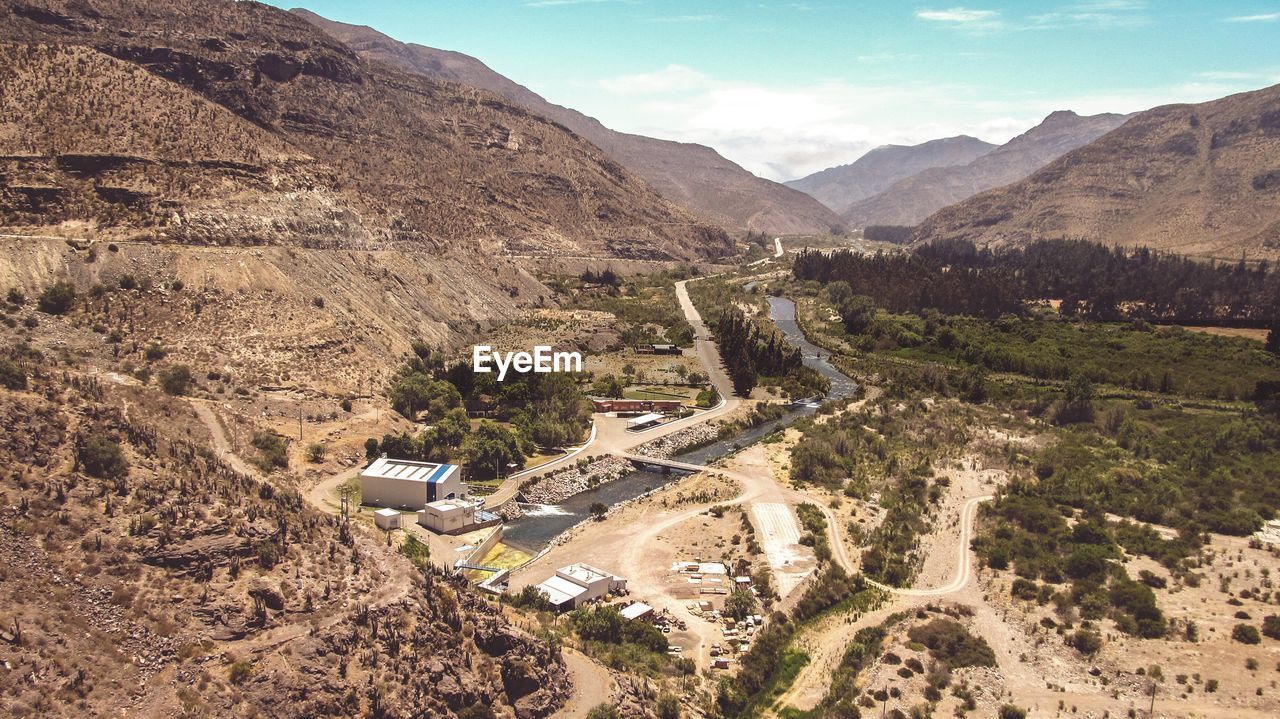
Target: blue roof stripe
438	476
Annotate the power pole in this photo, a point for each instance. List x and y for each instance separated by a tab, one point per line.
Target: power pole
299	424
1151	713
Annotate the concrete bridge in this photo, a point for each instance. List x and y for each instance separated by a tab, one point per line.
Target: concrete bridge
639	460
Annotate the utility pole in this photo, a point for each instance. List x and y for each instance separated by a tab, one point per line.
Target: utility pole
1151	713
299	423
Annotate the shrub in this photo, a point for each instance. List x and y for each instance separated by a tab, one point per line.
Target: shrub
176	380
950	643
128	282
1086	642
1271	626
100	457
57	299
1009	711
315	452
272	450
12	376
240	671
1246	634
15	296
155	353
602	711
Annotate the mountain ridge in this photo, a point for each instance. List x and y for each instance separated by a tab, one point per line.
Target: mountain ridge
692	175
910	200
1191	178
841	186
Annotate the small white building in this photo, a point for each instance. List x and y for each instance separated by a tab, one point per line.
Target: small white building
405	484
637	610
387	518
576	584
453	516
644	420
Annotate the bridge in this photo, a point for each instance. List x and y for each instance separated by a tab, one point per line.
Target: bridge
458	565
639	460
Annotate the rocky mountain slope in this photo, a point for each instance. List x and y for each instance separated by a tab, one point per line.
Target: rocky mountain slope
140	574
909	201
1195	179
840	187
694	176
369	155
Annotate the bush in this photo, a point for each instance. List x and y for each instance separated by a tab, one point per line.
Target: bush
15	297
272	450
12	376
1246	634
950	643
57	299
100	457
1271	626
176	380
240	671
1086	642
315	452
1009	711
155	353
602	711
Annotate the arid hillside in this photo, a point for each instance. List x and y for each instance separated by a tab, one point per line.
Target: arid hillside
142	574
842	186
1194	179
371	155
909	201
694	176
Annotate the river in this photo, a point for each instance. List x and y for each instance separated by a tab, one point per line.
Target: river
543	523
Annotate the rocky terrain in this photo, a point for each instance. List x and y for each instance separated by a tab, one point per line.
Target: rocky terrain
842	186
909	201
694	176
238	123
1194	179
140	573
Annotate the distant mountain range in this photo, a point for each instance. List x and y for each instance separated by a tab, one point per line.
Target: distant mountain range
1198	179
840	187
910	200
694	176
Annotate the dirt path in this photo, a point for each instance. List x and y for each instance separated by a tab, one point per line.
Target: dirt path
826	642
221	443
592	685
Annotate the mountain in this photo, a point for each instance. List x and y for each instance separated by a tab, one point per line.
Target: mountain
842	186
910	200
1196	179
694	176
330	148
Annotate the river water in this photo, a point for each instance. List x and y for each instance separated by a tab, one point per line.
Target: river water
543	523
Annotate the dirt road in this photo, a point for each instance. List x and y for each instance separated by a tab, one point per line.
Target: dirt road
592	685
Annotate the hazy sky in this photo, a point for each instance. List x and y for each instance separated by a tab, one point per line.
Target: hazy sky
787	88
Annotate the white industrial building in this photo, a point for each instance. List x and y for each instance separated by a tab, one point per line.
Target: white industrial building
387	518
405	484
577	584
452	516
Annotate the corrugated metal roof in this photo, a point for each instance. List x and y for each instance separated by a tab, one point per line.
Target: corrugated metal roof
560	590
408	470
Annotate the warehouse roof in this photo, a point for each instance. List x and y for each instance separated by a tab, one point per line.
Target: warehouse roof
408	470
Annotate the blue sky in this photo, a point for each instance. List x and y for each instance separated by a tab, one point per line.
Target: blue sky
787	88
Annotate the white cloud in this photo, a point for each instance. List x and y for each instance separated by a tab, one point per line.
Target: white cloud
959	15
672	78
1264	17
788	131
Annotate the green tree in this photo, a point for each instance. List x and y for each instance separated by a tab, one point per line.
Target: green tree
415	392
668	707
176	380
57	299
607	386
740	604
491	447
602	711
857	313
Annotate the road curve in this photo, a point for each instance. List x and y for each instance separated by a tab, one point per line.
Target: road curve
964	558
